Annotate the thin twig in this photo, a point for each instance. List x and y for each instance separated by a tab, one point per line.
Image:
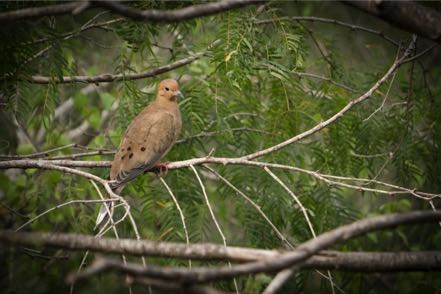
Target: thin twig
181	213
284	275
213	217
59	206
352	27
384	99
254	204
396	64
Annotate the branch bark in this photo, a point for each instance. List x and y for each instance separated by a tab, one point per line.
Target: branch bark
329	179
286	260
334	260
152	15
181	14
408	15
36	12
108	77
395	65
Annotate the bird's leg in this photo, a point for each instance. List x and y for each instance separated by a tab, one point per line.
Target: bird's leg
161	168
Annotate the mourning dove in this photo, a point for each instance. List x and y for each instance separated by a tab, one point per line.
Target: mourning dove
147	139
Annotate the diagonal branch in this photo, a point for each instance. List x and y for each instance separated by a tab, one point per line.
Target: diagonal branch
397	63
181	213
351	26
213	217
254	204
408	15
286	260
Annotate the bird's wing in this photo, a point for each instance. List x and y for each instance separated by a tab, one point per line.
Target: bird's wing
149	137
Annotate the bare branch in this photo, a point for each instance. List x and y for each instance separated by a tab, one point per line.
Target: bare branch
286	260
339	114
181	213
36	12
108	77
408	15
284	275
352	27
189	12
152	15
254	204
213	217
84	201
329	179
346	261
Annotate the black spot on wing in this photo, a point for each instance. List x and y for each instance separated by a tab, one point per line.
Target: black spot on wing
142	148
131	155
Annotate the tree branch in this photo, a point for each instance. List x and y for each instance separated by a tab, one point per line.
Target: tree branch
397	63
408	15
345	261
108	77
36	12
329	179
152	15
286	260
188	12
332	21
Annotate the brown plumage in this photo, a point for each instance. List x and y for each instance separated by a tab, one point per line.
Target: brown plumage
148	138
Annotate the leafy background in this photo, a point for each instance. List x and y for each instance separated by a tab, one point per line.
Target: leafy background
245	93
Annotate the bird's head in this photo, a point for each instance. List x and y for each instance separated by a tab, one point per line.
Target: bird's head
169	89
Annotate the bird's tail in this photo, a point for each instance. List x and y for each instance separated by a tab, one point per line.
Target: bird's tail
103	214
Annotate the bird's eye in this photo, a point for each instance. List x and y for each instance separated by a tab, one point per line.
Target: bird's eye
167	89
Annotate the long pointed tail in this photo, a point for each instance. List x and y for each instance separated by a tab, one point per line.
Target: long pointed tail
103	214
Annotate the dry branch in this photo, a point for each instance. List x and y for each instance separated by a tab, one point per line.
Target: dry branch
152	15
396	64
329	179
352	27
348	261
408	15
286	260
108	77
36	12
181	14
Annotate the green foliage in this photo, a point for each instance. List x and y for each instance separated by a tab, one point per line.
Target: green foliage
243	96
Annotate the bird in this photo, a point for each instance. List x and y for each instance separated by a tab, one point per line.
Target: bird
147	139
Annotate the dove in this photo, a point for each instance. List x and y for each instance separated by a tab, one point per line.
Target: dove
147	139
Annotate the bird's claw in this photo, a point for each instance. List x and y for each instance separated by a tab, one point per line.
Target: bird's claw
161	168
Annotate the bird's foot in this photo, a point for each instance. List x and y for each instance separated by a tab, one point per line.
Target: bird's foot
161	168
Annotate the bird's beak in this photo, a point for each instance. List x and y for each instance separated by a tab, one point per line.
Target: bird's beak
179	94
